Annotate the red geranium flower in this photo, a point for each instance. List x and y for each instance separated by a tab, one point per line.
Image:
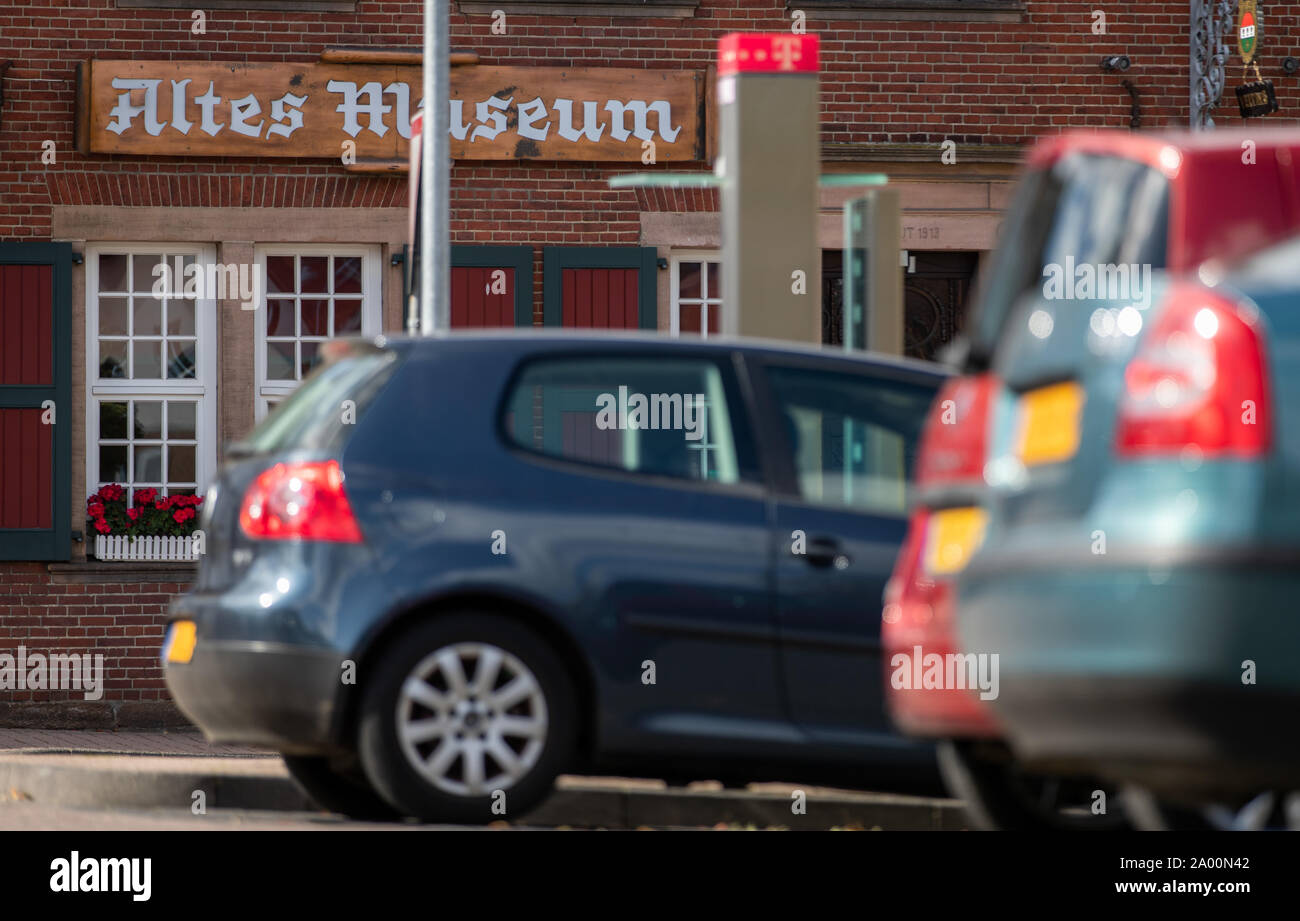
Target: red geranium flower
163	504
102	526
145	496
96	507
133	513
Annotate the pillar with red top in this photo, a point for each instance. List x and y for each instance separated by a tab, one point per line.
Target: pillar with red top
769	161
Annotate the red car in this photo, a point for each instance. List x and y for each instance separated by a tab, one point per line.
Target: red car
1171	202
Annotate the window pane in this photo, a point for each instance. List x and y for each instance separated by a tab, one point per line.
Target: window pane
652	416
180	317
688	318
112	316
148	317
347	274
148	359
181	419
688	279
315	318
180	464
112	420
279	274
715	279
148	419
853	437
148	464
280	361
347	316
112	272
143	279
180	358
112	463
313	275
311	357
279	317
112	358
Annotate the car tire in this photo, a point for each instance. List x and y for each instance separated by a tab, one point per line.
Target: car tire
1268	811
999	796
340	790
477	748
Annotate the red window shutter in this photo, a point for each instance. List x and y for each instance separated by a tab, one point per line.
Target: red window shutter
473	301
36	417
26	469
599	298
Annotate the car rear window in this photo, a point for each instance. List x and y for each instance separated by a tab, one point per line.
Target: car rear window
324	408
1083	209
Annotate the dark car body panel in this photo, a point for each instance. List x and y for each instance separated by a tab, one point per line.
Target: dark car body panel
619	568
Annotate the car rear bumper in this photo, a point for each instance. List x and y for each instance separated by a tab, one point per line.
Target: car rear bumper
254	689
254	694
1179	675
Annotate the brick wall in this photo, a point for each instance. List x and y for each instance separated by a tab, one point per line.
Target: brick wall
981	84
88	610
884	82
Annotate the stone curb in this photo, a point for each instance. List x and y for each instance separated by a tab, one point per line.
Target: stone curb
101	781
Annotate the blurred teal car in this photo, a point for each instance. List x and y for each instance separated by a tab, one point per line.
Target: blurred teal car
1139	579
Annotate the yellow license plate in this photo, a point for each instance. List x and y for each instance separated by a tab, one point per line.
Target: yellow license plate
1047	430
179	646
953	535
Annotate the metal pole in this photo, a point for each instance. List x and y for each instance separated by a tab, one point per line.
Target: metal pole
435	163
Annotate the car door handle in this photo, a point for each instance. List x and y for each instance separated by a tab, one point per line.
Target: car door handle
825	552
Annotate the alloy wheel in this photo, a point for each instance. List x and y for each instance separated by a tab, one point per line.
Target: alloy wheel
471	719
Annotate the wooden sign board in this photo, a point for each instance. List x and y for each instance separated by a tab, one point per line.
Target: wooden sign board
195	109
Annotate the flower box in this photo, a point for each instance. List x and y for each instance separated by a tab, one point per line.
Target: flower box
126	547
143	524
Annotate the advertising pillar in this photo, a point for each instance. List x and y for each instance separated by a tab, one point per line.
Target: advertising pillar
769	160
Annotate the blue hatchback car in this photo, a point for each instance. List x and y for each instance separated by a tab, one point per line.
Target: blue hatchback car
447	569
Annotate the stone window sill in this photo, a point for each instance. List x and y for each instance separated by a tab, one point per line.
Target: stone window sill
639	9
94	573
317	6
916	10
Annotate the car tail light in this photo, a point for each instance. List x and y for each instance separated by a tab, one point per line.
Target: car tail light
954	437
919	603
301	501
1198	380
918	614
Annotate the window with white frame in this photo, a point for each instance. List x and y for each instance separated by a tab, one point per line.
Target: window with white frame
150	369
696	294
313	294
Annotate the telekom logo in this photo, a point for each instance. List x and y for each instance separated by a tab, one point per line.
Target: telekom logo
786	50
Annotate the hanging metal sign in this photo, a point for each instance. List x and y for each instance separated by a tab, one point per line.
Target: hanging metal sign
1258	98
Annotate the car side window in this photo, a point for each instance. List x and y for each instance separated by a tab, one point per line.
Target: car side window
656	416
853	438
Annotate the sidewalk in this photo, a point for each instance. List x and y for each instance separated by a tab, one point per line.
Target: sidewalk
133	770
123	742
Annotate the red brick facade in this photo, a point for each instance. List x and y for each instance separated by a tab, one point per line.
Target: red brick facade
891	92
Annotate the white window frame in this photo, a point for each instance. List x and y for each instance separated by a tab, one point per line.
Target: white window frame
202	387
371	306
707	302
